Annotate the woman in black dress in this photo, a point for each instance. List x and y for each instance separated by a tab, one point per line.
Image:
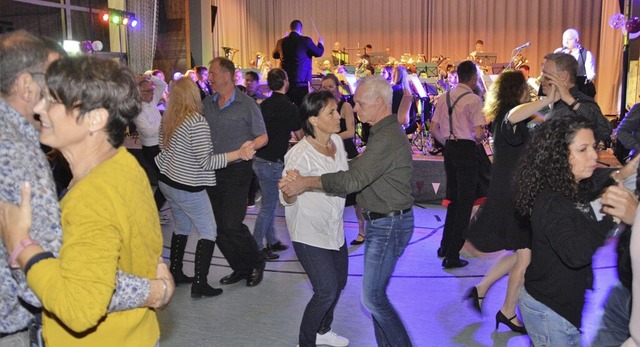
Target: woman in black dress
347	131
498	226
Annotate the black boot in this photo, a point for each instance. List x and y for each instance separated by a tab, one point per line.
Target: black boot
204	253
178	243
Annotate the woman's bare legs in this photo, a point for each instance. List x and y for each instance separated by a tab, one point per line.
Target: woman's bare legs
515	283
500	268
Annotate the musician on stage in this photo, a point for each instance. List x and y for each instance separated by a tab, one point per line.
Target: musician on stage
338	55
479	49
586	61
295	52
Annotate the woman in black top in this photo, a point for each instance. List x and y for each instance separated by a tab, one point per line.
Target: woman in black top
554	187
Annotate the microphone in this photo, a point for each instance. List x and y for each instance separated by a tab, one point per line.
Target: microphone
523	46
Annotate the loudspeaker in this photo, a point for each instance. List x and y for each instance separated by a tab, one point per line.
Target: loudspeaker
214	12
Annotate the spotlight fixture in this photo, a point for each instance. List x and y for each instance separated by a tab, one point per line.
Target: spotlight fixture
118	17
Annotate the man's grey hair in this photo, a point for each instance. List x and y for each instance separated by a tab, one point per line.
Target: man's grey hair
377	86
20	52
564	62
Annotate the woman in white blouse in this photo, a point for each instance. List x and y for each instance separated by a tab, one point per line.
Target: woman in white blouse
314	218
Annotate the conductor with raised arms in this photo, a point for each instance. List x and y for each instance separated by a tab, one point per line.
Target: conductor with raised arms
295	52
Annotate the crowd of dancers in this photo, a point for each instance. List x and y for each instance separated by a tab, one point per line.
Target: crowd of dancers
80	257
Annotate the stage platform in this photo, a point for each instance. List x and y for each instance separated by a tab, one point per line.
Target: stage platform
429	181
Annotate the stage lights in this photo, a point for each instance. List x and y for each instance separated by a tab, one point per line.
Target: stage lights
118	17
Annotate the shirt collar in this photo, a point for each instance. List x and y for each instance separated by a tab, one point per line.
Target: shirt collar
232	99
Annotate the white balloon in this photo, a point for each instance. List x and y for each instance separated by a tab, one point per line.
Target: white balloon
97	46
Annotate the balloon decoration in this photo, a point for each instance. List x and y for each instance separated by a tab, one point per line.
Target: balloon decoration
617	21
631	26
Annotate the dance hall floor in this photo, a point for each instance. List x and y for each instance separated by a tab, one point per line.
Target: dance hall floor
427	297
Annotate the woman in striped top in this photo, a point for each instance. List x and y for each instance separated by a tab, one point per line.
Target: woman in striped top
187	163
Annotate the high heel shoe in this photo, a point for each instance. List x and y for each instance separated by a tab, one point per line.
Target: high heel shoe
356	242
473	295
501	318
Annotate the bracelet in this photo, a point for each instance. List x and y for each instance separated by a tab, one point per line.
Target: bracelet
165	291
574	104
13	258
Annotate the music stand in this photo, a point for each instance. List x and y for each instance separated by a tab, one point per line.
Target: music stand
341	57
498	68
486	58
378	58
429	69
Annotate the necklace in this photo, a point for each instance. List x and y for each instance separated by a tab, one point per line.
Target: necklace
318	143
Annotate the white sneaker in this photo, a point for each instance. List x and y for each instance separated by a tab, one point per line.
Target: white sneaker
331	339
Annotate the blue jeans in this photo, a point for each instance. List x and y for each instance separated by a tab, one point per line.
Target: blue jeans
545	327
190	209
269	173
327	271
386	240
614	324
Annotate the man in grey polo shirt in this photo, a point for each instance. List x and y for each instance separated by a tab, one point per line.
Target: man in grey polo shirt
234	118
382	175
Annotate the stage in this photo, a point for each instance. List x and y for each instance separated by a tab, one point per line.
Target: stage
429	181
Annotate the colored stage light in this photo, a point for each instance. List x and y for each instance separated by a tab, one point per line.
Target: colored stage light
104	15
133	22
115	19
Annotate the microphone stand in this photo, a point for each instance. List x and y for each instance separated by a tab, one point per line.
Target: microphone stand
517	51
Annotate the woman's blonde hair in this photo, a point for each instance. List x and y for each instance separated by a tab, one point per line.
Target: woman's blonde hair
184	102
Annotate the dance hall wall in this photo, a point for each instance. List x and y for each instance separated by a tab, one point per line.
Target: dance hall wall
430	27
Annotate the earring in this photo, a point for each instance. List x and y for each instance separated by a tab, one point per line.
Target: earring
90	133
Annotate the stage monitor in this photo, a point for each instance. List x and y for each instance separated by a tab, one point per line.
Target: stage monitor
378	58
486	59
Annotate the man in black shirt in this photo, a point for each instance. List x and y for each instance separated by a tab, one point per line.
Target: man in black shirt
281	118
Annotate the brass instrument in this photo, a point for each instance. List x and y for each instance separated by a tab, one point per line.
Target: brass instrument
230	53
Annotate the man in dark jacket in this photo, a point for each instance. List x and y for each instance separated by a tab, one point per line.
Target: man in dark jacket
295	52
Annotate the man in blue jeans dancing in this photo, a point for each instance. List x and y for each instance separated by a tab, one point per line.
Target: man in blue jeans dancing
382	175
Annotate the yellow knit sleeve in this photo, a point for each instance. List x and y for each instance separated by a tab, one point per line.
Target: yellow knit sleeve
77	287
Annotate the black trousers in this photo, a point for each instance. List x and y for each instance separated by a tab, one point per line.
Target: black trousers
229	202
461	168
149	153
296	94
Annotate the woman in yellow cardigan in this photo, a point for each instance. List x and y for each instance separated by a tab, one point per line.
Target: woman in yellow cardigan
109	220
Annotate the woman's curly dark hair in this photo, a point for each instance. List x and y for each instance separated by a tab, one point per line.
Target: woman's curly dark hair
546	164
505	94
